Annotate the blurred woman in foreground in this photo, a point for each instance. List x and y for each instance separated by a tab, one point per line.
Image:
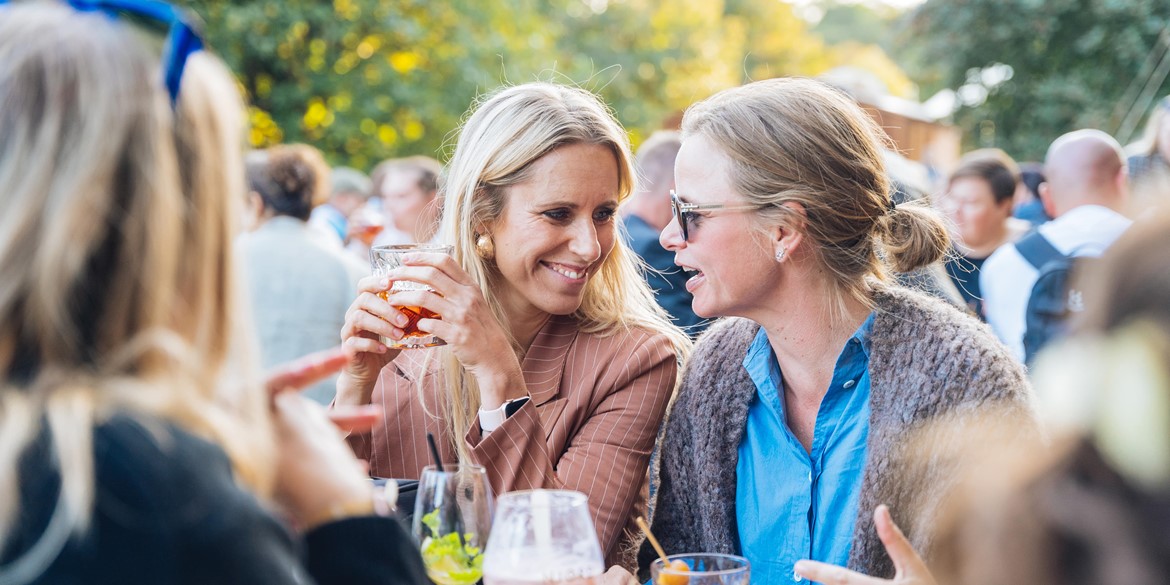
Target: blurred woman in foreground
132	449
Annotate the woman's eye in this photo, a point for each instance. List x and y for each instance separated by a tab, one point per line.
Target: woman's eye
557	214
604	215
692	218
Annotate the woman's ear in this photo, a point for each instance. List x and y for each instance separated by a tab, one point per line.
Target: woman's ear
788	236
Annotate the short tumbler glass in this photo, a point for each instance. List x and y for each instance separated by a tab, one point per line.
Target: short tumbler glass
383	259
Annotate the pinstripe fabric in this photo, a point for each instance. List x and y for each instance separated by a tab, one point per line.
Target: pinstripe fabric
596	406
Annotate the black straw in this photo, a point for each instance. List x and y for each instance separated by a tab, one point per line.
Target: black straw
435	452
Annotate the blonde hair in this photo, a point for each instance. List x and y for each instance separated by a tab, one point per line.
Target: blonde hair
505	134
92	224
799	140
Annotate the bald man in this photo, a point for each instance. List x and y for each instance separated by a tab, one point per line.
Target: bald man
1085	192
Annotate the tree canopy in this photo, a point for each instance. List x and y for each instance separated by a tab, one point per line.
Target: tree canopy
1045	67
365	80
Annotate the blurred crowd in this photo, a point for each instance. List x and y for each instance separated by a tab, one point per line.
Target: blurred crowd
756	329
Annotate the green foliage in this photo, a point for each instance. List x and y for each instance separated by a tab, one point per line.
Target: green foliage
1074	63
365	80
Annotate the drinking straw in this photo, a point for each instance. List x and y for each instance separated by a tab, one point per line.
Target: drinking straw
653	541
454	511
435	452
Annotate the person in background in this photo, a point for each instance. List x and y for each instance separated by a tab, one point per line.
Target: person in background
1086	192
1028	205
789	426
411	201
137	442
559	365
351	189
1149	160
300	285
644	216
978	202
1090	506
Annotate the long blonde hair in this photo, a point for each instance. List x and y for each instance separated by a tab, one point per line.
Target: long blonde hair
98	238
505	134
800	140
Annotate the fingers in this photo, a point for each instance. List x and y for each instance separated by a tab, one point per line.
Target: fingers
446	278
303	371
906	559
355	419
618	576
832	574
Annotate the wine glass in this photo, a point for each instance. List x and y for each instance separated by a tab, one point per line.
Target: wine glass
543	536
452	519
702	569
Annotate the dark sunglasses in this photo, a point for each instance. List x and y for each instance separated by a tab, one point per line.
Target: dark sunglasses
684	213
172	29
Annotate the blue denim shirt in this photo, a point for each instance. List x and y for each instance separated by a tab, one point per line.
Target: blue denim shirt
791	504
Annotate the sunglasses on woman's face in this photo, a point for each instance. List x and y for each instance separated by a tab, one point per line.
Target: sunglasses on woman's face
172	30
685	213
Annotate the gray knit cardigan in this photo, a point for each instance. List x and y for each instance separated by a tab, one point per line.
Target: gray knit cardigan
928	362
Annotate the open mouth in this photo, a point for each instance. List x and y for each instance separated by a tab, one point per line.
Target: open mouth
697	277
571	273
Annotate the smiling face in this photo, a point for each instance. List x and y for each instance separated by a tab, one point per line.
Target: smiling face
734	270
556	229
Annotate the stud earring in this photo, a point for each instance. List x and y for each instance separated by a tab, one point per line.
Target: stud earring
485	248
780	254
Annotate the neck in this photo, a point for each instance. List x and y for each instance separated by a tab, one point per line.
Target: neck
523	322
807	334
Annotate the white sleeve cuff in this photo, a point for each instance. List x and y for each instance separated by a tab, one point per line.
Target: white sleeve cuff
490	420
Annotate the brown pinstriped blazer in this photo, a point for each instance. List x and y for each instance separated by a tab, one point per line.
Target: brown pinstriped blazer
596	406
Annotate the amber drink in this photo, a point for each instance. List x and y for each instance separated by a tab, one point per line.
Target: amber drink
383	259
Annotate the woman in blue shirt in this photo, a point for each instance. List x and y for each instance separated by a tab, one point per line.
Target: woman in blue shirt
790	426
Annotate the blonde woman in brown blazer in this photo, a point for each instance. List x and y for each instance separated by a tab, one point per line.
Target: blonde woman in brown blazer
559	365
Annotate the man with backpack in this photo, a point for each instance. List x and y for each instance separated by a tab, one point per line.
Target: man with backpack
1026	286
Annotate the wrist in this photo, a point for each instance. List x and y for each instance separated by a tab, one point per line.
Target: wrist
352	391
497	387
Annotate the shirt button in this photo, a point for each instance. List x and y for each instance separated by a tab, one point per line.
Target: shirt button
797	578
854	341
810	476
849	384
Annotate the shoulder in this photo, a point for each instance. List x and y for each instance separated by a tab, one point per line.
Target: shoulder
726	340
155	473
921	342
623	345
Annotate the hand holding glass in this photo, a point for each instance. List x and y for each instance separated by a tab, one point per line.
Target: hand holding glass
383	259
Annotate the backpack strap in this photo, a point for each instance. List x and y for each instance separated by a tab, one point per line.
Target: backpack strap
1037	250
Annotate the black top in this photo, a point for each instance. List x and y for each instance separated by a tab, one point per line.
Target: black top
167	511
964	272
